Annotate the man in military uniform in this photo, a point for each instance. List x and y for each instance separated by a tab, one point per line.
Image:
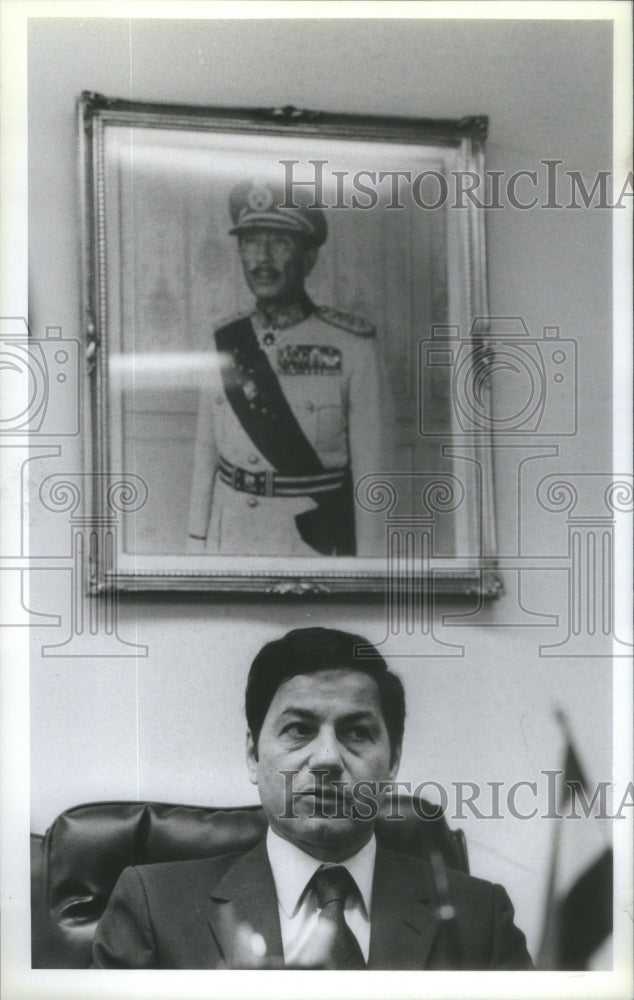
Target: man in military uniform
289	417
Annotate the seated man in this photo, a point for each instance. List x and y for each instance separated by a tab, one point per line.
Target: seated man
317	891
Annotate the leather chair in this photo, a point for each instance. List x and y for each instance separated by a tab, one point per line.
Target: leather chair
76	864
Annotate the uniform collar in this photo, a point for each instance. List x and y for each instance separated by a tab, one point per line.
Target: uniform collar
293	869
280	319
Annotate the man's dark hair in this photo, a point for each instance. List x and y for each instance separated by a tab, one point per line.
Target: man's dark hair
306	650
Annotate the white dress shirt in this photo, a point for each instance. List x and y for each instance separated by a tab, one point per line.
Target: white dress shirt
292	871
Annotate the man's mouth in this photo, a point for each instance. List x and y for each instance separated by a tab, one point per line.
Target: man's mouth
327	797
266	274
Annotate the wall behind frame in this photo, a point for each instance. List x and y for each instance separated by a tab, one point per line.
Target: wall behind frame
171	727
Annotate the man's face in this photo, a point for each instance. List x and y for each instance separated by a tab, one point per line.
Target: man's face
325	727
275	264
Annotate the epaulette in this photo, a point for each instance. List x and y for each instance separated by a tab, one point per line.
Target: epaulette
228	320
346	321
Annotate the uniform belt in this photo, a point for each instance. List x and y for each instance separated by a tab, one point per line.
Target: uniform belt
273	484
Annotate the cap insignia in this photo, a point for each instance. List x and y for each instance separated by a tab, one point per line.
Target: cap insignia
260	198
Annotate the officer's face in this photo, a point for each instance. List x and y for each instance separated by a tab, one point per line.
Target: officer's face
275	264
327	729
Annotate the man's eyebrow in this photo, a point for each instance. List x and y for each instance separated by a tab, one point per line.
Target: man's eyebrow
305	713
360	716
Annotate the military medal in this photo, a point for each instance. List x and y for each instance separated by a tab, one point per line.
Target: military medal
269	329
267	334
309	359
268	338
250	390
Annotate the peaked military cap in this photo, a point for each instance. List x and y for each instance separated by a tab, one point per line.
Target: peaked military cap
260	205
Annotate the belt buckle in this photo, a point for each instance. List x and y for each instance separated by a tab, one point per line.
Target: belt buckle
269	483
250	482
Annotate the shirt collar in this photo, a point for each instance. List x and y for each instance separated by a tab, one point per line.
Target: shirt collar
280	319
292	870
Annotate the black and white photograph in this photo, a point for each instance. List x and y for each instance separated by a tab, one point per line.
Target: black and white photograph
260	304
317	493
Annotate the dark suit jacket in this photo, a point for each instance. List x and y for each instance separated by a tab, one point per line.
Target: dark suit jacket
174	916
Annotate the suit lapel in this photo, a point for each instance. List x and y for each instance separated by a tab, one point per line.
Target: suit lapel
403	924
246	893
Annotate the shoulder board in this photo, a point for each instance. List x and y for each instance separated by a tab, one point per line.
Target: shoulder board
229	320
346	321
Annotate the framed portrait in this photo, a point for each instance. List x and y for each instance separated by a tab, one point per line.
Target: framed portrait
286	338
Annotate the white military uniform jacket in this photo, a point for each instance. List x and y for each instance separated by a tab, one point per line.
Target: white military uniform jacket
326	366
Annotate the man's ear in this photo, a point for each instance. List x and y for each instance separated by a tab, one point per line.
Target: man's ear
395	763
252	758
310	259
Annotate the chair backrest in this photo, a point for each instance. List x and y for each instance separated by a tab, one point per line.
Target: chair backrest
87	847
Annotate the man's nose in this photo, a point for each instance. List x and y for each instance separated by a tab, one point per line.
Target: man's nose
326	753
263	250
